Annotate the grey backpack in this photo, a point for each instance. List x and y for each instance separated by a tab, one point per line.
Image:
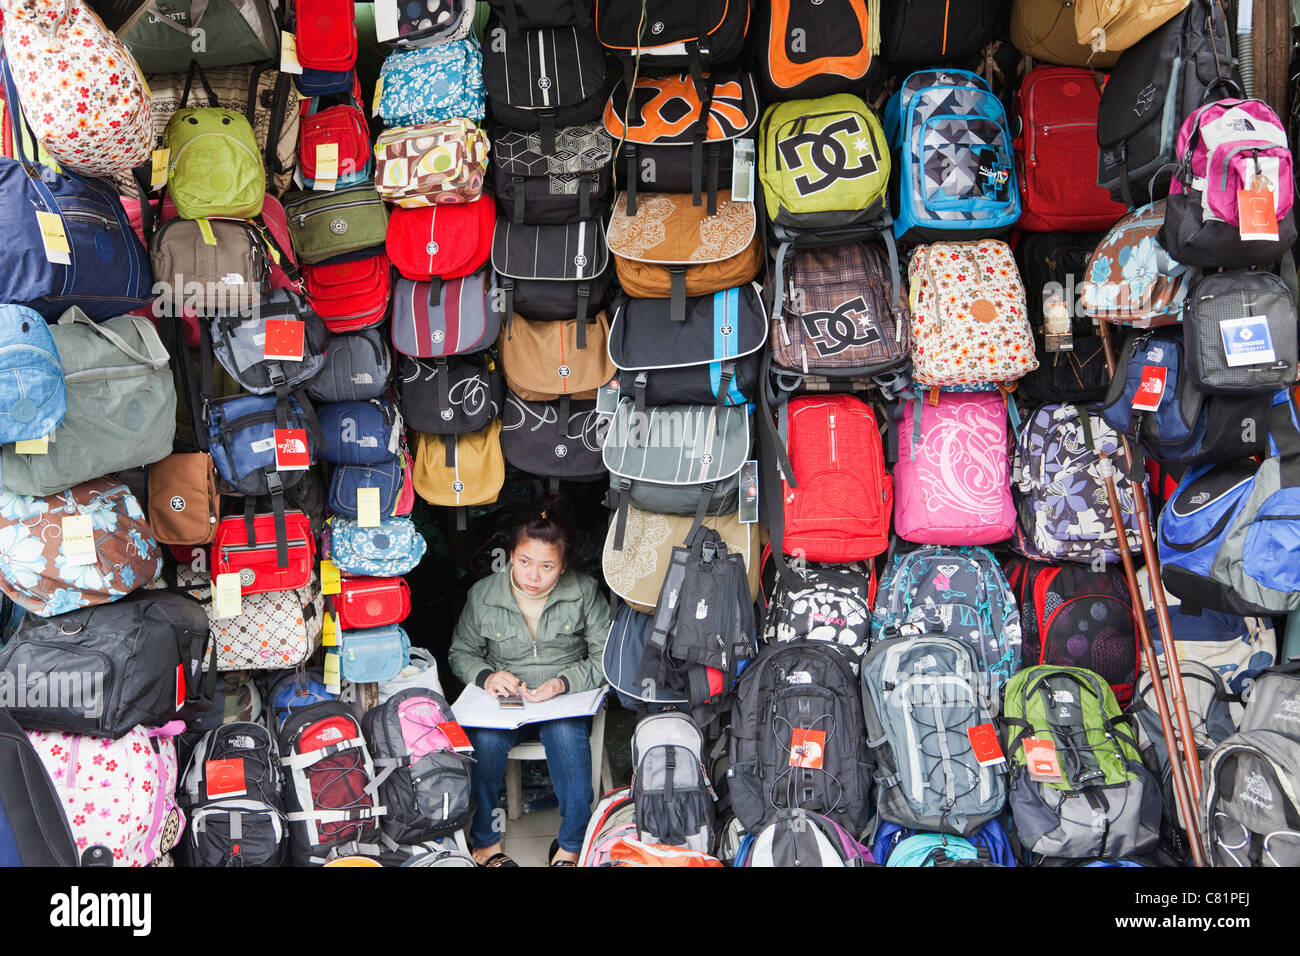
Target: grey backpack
1241	333
1249	805
239	344
357	368
920	696
674	801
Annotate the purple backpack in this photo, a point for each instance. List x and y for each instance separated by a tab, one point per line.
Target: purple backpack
952	479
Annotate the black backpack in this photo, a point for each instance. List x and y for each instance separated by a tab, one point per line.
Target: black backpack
1135	133
673	35
538	14
545	182
451	395
357	368
828	602
919	33
34	830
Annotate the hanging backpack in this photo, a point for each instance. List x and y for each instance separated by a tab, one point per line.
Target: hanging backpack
1249	804
343	126
163	42
360	433
35	829
1240	337
803	838
923	32
441	242
431	23
921	696
390	550
240	344
229	276
430	85
389	478
629	633
1131	279
806	50
350	295
431	163
1122	23
666	35
356	368
1044	30
670	788
269	552
33	390
551	272
546	183
546	360
901	846
433	319
231	788
1150	371
327	39
214	166
1106	804
827	602
952	477
560	439
454	471
241	436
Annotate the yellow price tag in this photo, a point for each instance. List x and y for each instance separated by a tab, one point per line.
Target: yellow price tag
327	167
33	446
52	234
368	507
227	596
330	579
289	53
79	539
158	167
329	631
332	681
379	94
205	229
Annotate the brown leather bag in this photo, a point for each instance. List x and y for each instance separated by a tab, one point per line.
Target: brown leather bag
183	502
546	360
672	248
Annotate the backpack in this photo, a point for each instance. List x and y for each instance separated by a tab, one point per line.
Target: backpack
241	437
1178	405
612	819
239	344
120	406
952	312
802	838
957	173
827	602
807	50
455	471
328	39
231	788
374	654
952	477
1131	279
1056	121
136	774
429	85
1248	803
331	786
1044	30
274	631
270	552
797	737
1240	339
372	602
432	319
551	272
388	477
562	438
544	360
922	32
711	357
184	505
1107	805
1122	23
351	295
390	550
672	139
960	593
214	166
34	831
702	636
629	634
432	23
425	782
345	222
1074	616
431	163
33	391
666	35
989	846
1154	85
1058	449
230	279
360	433
670	788
292	691
545	183
36	573
630	852
356	368
342	125
1224	147
442	242
450	396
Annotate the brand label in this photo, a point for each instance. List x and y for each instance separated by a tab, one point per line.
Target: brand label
1151	388
807	748
1247	341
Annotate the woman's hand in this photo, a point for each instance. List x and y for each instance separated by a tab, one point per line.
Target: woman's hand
502	684
552	688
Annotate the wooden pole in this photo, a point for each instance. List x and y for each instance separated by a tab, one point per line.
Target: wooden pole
1271	30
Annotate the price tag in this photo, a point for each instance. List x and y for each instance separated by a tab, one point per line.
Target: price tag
1151	389
227	596
1058	335
52	234
79	539
1043	763
607	398
332	682
368	507
158	168
329	631
742	170
289	53
1247	341
379	95
985	744
225	778
1257	213
331	582
807	748
283	340
291	449
327	167
205	230
386	22
749	491
33	446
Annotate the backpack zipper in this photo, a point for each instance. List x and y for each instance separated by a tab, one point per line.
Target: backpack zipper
832	430
302	216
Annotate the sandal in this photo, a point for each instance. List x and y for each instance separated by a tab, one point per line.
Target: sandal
499	859
555	848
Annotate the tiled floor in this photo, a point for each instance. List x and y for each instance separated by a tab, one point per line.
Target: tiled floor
528	838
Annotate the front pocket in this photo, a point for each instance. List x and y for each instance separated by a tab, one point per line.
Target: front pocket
441	782
1272	550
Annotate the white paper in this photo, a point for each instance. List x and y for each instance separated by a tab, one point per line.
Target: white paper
477	708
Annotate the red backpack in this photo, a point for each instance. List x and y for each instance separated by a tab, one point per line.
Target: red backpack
343	124
327	34
1056	153
441	242
350	296
836	497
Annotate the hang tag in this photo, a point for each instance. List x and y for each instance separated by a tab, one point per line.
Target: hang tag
456	736
52	234
607	398
291	449
332	683
984	742
1058	334
1247	341
386	22
1151	389
289	53
368	507
327	167
749	491
283	340
33	446
158	168
331	582
1040	756
1257	213
379	94
992	177
225	778
205	230
329	631
807	748
79	539
227	596
742	170
180	686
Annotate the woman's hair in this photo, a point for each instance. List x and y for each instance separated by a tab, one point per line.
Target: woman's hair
550	521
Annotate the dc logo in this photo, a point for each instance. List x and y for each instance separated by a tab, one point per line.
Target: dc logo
177	503
437	335
564	371
458	486
561	451
828	151
431	248
246	577
725	330
338	225
657	28
706	459
579	261
543	82
446	414
843	328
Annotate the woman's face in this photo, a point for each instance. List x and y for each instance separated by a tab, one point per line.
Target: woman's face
536	565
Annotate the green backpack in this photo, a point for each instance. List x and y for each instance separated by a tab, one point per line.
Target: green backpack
215	166
1107	805
824	164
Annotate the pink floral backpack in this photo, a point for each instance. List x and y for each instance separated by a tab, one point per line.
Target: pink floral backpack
120	794
952	482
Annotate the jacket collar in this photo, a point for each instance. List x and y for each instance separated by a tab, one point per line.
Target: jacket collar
498	593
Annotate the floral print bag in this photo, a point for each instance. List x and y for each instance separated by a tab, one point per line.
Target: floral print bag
1130	278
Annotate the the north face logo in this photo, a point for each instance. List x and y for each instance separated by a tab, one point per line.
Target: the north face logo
1145	98
1257	791
1157	354
363	378
242	742
1062	697
847	326
368	441
839	150
1201	498
1240	124
330	733
701	610
1290	711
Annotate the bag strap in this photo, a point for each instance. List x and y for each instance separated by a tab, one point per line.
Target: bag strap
196	70
156	355
183	367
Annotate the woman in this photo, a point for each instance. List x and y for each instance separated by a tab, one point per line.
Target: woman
536	629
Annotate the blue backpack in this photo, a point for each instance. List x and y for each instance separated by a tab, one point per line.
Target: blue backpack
1176	416
431	84
360	433
241	439
33	397
957	177
900	846
294	691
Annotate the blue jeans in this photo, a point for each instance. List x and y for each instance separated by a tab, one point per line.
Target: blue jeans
568	756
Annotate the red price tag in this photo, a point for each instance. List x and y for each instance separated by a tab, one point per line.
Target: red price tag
984	742
1151	389
1043	763
1257	212
180	686
456	736
225	777
291	450
284	340
807	748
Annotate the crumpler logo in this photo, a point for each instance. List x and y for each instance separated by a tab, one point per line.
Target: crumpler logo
563	371
829	151
846	326
437	335
1257	792
580	260
431	248
1146	96
657	28
177	503
561	451
446	414
458	486
701	610
543	82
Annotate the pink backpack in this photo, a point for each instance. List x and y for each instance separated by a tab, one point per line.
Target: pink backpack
117	793
952	483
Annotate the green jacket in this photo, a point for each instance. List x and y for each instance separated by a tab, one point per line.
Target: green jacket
491	634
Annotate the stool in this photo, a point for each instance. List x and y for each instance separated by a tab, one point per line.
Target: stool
533	750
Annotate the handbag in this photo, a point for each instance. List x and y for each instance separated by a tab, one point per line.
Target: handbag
390	550
372	602
264	560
